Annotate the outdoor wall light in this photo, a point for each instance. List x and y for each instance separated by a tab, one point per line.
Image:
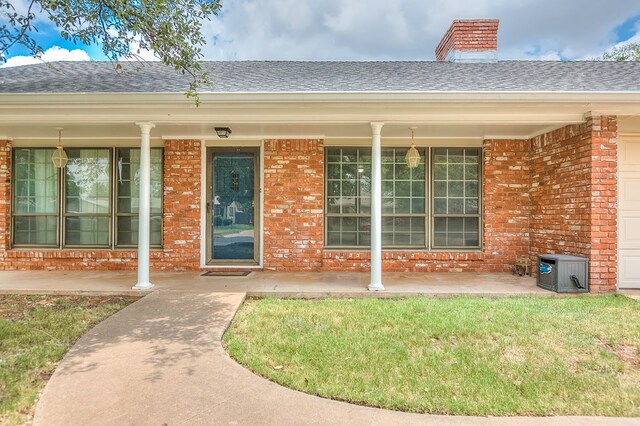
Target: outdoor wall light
223	132
413	156
59	157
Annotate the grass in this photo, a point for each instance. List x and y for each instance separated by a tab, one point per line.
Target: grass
35	332
466	356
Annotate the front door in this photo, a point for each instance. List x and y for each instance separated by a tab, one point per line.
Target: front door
232	207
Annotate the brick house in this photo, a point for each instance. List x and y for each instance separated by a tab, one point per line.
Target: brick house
516	158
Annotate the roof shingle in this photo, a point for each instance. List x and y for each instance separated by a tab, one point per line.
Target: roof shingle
293	76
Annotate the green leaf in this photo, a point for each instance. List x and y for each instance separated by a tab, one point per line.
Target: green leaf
171	29
626	52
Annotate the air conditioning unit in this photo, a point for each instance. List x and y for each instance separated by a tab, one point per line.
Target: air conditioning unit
563	273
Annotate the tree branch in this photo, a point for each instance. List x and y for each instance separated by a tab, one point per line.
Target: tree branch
23	30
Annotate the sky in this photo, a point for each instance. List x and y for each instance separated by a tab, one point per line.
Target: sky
387	29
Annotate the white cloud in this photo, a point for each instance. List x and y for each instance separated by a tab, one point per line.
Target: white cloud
548	56
53	54
598	52
23	6
397	30
410	29
139	53
634	39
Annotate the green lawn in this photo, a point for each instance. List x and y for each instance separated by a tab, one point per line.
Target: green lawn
472	356
35	332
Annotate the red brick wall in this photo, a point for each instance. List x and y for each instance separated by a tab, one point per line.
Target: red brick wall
406	261
506	202
293	202
181	246
573	196
561	173
469	35
604	203
181	205
553	193
293	218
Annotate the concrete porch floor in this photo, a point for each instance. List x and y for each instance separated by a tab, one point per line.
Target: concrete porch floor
278	284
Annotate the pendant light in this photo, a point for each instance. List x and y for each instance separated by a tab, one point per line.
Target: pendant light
59	157
413	156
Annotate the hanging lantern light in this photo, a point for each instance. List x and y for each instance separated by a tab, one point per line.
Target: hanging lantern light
413	156
59	157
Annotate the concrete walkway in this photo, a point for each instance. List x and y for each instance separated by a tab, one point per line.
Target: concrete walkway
160	361
278	284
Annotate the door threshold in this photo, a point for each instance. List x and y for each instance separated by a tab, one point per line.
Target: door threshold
251	265
226	274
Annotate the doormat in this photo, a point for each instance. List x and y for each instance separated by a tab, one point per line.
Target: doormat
226	274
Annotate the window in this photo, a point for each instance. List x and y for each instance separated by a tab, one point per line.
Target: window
349	198
453	213
129	197
403	206
235	182
456	197
35	198
89	199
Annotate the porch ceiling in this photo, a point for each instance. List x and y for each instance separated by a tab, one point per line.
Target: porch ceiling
87	118
81	133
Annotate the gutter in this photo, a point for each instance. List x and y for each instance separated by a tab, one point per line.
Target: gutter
130	98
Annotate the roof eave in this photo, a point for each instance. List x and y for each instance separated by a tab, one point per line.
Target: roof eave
310	96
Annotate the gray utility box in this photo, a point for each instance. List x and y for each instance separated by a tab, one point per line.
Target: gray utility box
562	273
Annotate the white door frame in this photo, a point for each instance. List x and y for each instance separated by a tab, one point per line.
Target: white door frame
203	200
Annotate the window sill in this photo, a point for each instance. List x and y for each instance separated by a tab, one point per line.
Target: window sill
411	255
405	249
79	249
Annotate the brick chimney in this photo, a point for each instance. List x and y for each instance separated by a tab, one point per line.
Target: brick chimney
470	40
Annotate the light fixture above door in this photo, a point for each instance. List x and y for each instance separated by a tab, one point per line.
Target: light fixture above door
223	132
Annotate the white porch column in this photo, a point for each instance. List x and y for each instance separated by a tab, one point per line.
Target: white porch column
376	209
144	207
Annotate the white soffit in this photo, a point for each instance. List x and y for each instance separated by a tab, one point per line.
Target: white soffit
316	108
309	115
629	124
128	134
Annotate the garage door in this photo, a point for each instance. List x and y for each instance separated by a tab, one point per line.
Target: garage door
629	213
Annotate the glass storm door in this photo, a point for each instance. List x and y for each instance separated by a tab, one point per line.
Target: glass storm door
232	207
